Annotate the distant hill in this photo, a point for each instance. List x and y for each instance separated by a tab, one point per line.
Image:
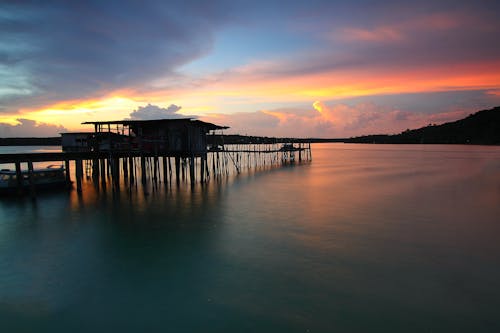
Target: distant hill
480	128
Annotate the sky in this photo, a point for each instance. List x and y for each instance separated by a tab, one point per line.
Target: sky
327	69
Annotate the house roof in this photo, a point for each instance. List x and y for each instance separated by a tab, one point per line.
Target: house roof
130	122
75	133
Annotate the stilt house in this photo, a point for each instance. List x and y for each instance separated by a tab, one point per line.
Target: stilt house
173	137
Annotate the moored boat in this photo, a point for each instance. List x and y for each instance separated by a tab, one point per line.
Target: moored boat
53	176
289	147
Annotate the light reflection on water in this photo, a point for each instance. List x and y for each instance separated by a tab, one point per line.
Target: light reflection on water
365	238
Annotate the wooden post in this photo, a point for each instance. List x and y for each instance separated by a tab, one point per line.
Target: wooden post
79	175
108	167
165	169
213	164
132	169
155	168
95	170
115	171
125	168
203	160
191	169
183	169
177	169
143	169
19	178
169	170
103	173
68	173
31	179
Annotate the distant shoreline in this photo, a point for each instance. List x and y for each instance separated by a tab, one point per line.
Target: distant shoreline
51	141
240	139
480	128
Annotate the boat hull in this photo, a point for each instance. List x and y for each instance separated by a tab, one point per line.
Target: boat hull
50	178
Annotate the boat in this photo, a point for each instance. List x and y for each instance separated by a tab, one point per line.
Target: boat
215	148
288	147
52	176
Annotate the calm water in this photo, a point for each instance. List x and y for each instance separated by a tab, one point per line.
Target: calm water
366	238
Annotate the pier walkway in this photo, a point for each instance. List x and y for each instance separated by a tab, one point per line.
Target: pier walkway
166	166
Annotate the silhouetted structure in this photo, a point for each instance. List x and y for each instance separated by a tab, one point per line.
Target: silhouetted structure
136	147
183	137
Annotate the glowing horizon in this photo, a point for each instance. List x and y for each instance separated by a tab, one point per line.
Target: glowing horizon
258	72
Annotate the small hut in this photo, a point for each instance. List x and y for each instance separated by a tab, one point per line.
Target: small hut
179	137
76	141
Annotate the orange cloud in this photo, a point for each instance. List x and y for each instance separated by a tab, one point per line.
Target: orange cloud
72	113
283	117
338	84
238	92
335	120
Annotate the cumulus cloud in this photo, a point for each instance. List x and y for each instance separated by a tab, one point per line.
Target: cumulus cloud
150	111
331	121
30	128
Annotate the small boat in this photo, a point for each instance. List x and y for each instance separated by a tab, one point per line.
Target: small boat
53	176
288	147
215	148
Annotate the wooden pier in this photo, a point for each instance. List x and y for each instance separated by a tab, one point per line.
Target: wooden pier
171	169
172	151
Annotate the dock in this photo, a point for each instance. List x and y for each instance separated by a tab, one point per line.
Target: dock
168	151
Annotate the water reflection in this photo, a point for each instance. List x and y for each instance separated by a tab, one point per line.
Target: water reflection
364	238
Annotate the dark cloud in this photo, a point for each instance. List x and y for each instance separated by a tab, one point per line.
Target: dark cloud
150	111
73	49
60	50
30	128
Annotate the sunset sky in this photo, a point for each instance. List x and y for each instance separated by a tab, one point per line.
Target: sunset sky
277	68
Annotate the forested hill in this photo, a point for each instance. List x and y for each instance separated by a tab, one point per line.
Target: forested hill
481	128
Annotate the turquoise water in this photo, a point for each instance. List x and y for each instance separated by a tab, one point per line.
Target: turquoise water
365	238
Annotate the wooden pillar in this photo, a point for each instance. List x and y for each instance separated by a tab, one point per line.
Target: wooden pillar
203	160
31	178
103	172
115	171
132	169
169	170
108	167
191	169
165	169
213	163
177	169
95	171
183	169
67	172
19	178
79	175
125	168
155	168
143	169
